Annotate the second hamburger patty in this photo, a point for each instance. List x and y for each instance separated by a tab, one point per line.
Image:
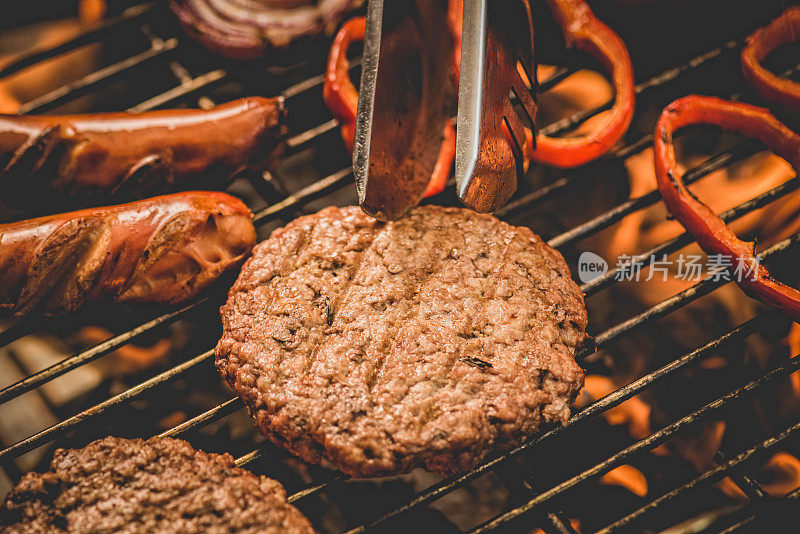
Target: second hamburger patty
424	342
158	485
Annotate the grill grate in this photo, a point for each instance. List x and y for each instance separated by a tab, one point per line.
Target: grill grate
540	504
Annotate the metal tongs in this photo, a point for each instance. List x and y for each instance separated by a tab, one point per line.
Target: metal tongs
407	92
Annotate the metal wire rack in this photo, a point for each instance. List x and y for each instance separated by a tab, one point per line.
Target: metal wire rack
540	505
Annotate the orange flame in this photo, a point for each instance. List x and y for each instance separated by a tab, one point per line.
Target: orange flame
42	77
8	104
793	340
129	358
783	474
627	477
780	475
583	90
729	488
721	190
634	412
92	11
574	523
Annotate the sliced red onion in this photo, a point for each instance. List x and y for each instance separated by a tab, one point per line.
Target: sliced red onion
244	29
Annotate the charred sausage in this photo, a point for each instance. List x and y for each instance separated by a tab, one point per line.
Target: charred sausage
122	156
161	250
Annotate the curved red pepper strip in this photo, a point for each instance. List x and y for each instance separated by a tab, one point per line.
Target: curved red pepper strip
584	31
338	91
711	232
341	97
771	87
455	19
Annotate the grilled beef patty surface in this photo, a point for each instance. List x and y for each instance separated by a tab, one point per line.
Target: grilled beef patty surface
425	342
158	485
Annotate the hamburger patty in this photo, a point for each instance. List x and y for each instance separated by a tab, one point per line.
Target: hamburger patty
425	342
158	485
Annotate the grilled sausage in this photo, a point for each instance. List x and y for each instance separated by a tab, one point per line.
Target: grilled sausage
161	250
73	159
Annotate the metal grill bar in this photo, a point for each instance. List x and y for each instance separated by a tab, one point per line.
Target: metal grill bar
676	243
188	87
558	525
570	123
85	37
558	76
681	299
218	412
656	439
617	213
522	488
749	487
19	330
719	472
61	428
301	139
616	398
68	364
307	194
792	498
312	490
249	457
534	198
79	87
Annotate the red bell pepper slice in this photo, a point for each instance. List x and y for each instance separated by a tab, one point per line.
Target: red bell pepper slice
771	87
711	232
584	31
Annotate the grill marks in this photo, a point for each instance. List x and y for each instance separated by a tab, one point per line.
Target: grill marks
164	249
172	234
32	155
85	159
409	278
66	267
476	362
418	339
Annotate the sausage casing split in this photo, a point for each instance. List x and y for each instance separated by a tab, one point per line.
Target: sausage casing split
73	159
160	250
